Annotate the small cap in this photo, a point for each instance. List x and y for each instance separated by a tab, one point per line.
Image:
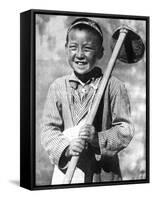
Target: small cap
91	23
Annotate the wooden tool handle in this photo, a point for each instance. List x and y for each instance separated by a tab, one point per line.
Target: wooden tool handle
102	86
71	169
91	115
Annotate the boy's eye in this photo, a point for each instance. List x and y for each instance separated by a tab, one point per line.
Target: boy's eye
72	47
84	49
88	49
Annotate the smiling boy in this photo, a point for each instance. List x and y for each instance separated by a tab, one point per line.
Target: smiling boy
68	102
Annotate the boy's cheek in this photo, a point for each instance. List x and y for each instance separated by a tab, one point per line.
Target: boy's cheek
69	54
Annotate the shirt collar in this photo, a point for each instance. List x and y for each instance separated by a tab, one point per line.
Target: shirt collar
75	81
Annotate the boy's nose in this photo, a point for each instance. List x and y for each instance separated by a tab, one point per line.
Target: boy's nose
79	54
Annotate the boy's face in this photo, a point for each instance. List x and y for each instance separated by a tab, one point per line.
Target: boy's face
83	49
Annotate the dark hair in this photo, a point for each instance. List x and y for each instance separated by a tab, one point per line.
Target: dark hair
88	24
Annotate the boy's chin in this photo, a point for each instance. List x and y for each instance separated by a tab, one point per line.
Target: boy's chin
82	70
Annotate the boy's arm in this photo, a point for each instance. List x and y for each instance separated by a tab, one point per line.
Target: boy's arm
52	138
119	136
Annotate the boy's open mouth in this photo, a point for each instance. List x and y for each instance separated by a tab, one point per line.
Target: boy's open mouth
81	62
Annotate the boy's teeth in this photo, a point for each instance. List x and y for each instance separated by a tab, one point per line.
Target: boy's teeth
80	63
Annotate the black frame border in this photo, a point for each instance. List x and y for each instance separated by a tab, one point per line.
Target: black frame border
28	97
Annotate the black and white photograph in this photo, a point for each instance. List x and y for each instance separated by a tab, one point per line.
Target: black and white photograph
90	106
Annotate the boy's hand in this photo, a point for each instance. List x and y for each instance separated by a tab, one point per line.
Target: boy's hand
87	133
75	148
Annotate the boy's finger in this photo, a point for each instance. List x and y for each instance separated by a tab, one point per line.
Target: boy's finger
73	153
84	134
77	149
84	137
79	144
84	131
76	154
88	126
90	129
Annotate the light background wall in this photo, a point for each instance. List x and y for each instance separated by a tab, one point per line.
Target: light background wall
9	101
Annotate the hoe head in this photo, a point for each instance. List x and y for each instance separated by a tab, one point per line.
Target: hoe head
132	49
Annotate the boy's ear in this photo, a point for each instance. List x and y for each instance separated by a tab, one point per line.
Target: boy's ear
66	49
100	53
